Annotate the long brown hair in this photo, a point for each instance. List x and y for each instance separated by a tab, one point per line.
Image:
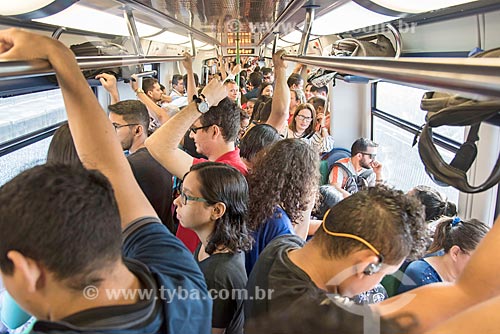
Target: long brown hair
312	126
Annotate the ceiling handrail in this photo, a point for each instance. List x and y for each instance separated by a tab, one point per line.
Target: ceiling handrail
14	69
478	77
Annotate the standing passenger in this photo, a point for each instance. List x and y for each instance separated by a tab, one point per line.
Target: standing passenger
63	256
213	203
283	186
214	123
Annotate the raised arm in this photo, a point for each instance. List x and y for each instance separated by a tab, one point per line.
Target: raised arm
95	139
163	143
191	85
108	81
160	113
281	98
435	303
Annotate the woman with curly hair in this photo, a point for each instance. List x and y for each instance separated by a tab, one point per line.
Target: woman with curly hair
213	203
283	187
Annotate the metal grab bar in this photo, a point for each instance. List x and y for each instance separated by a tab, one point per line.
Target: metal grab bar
23	69
479	76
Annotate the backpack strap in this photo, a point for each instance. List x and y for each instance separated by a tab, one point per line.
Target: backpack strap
346	170
138	224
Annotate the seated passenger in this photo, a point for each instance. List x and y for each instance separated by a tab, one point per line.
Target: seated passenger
436	204
213	203
62	257
304	125
458	239
358	167
283	187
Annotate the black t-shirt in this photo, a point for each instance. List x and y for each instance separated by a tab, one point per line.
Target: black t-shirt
155	182
226	279
277	287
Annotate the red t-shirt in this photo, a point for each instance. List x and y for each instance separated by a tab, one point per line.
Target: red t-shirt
232	158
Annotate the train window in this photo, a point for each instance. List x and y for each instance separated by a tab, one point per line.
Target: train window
18	161
395	132
22	118
24	114
404	102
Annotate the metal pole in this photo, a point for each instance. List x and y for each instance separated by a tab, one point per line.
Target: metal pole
32	68
469	75
132	29
285	15
307	30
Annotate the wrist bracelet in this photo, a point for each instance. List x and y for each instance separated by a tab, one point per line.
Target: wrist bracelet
138	90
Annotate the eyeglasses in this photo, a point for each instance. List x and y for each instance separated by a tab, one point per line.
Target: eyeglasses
194	129
117	126
304	118
185	198
371	155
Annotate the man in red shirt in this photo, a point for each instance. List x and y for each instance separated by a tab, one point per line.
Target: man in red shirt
214	123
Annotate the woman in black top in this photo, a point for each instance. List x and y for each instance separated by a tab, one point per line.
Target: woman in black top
213	203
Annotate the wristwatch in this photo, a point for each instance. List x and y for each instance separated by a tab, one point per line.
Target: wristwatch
201	103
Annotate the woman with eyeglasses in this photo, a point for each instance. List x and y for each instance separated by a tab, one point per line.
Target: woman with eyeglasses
303	125
213	203
458	239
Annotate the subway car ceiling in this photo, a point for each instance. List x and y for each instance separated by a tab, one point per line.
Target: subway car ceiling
160	31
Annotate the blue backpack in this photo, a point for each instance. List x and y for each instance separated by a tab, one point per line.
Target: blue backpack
334	155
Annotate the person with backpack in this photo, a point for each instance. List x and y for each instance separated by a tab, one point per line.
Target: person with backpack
359	171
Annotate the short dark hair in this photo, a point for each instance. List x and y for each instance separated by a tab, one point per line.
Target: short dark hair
266	70
255	79
322	89
294	79
258	138
465	234
226	116
62	149
148	83
196	80
51	208
361	145
436	204
317	101
223	183
387	218
176	78
132	111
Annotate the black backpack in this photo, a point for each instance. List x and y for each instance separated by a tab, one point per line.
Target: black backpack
448	109
354	183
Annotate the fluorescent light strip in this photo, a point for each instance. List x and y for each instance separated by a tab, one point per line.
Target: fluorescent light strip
89	19
22	7
347	17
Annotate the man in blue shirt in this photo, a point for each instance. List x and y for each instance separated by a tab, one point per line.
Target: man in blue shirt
61	254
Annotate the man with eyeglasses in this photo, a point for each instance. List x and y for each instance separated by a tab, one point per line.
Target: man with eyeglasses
267	75
349	173
130	119
214	124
